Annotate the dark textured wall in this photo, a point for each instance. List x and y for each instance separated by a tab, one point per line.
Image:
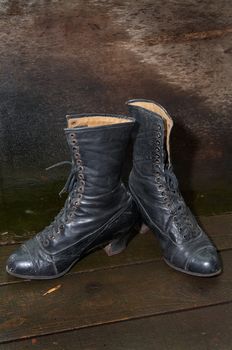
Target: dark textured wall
91	56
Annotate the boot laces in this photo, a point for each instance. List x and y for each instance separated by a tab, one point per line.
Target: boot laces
75	177
182	216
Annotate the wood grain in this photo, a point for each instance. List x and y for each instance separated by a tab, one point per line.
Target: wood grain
106	296
94	55
201	329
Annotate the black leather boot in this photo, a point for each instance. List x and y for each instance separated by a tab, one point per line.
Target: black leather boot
155	189
99	212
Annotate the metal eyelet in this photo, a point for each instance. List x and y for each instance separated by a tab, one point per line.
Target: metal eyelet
159	127
72	135
46	243
80	168
76	148
81	176
74	142
80	189
158	142
61	227
79	161
77	203
82	182
50	235
79	196
159	134
77	155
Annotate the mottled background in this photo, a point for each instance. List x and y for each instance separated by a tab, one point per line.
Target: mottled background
59	56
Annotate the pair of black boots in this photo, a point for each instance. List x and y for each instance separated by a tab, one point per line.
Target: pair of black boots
100	213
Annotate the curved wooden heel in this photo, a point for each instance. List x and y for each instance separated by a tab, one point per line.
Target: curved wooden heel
117	245
144	229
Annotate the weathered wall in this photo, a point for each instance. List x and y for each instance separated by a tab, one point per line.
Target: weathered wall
60	56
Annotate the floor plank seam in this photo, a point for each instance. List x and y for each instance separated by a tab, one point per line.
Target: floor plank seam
129	319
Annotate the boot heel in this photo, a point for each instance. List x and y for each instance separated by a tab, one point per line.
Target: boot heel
117	245
144	229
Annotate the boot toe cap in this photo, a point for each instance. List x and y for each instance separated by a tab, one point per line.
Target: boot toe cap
205	262
20	263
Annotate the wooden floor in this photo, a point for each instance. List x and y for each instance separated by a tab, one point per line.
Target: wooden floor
130	301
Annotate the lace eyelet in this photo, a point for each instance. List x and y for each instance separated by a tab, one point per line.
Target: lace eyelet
50	235
46	243
79	196
75	148
61	227
72	135
74	142
79	161
158	134
81	176
158	142
80	168
77	155
80	189
82	182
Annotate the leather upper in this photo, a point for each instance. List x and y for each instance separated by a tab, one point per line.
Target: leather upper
155	188
96	201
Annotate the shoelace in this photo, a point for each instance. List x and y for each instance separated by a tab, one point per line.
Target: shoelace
58	224
181	214
71	178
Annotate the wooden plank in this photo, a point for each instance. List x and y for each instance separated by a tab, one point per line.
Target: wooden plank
219	228
142	248
201	329
122	293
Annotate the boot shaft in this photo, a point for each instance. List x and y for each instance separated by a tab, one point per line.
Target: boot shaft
98	145
151	135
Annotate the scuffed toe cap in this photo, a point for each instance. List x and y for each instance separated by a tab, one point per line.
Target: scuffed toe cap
205	262
20	263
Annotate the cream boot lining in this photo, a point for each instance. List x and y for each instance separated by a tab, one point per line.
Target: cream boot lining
155	108
95	121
